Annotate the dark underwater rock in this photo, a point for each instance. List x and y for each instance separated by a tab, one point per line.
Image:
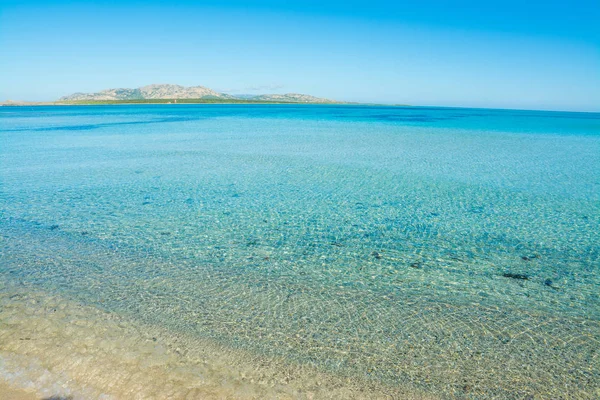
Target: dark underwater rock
550	284
515	276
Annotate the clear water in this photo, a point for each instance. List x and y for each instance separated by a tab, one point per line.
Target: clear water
299	252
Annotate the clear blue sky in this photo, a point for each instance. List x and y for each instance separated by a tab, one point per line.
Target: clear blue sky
510	53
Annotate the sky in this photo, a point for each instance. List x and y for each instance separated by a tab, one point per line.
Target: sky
505	54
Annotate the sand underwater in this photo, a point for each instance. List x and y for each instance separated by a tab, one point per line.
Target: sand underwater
298	252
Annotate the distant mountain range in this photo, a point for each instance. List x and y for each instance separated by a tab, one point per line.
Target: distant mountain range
181	92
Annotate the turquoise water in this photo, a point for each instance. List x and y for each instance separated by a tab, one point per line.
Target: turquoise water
442	252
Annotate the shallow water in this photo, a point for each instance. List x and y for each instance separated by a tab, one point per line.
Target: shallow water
300	251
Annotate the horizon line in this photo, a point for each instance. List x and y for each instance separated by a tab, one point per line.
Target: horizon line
57	103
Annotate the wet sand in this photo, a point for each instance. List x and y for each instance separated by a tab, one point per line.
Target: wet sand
62	349
8	392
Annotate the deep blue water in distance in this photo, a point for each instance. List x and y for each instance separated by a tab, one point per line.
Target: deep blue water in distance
446	252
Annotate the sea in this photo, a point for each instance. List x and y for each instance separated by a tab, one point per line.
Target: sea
299	252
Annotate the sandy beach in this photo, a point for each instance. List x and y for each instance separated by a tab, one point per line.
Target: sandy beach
8	392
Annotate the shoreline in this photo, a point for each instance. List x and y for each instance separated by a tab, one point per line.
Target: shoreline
54	347
70	346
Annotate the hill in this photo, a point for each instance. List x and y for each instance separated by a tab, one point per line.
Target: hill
173	92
